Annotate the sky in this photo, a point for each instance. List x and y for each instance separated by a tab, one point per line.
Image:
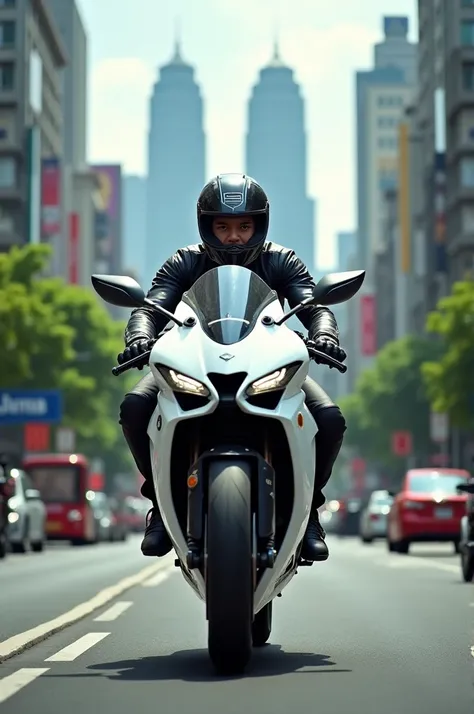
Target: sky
228	43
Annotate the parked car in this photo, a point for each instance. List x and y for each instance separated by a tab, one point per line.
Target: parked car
466	546
103	516
7	490
27	517
349	516
120	529
373	519
427	509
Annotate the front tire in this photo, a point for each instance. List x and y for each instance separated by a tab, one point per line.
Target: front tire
262	625
229	566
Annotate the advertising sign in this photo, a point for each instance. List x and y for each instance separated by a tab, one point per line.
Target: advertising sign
18	406
108	239
368	326
401	443
50	197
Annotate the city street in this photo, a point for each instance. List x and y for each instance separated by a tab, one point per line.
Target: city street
36	587
365	632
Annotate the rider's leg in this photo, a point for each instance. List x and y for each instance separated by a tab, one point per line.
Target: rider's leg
331	427
135	414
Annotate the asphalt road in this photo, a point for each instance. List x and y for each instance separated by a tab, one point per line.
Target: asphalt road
366	632
36	587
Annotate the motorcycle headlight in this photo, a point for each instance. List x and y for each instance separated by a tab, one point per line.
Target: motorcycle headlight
182	383
273	381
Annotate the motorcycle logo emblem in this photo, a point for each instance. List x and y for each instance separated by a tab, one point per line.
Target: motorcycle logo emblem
226	356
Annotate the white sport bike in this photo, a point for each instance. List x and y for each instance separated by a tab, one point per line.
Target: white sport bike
232	443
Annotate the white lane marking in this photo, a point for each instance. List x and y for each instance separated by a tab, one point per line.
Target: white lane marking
113	612
157	579
18	643
472	655
74	650
12	684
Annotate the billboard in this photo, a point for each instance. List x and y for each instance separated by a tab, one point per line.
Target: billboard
368	326
50	197
73	249
108	224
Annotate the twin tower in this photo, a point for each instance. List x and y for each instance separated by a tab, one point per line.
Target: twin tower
276	156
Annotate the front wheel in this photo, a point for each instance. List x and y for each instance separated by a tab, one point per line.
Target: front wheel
262	625
229	566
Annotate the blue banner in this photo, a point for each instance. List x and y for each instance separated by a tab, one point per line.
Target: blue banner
19	406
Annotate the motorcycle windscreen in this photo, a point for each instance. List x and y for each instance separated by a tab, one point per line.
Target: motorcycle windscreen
228	301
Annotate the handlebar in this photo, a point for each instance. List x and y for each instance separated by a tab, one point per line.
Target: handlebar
323	358
316	355
139	361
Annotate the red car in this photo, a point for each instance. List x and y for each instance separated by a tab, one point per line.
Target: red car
427	509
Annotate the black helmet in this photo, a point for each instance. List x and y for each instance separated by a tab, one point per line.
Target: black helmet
233	195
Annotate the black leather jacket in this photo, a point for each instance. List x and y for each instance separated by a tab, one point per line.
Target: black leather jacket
279	267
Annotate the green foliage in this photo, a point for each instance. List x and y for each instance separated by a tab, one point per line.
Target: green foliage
391	397
450	380
61	336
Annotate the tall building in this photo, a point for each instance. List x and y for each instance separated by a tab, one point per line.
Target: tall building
134	226
276	156
382	94
74	79
447	78
31	123
346	242
176	162
74	251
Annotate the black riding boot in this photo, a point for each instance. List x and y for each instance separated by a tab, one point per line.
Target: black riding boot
156	541
314	545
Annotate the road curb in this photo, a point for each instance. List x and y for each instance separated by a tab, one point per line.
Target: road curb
23	641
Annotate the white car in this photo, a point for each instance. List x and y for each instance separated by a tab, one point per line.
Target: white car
373	520
27	520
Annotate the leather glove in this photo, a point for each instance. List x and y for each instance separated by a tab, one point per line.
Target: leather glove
329	347
134	349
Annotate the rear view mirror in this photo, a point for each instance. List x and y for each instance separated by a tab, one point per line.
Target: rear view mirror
335	288
119	290
466	487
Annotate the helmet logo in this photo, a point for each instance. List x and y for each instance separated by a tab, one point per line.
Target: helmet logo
233	200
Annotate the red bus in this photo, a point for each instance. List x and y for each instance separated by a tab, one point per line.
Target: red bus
64	481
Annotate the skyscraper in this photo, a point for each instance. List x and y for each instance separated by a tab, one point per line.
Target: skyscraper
381	95
176	162
276	156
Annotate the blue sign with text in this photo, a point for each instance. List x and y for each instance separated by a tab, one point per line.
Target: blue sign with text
19	406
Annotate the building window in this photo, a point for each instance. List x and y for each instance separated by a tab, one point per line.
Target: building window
467	32
7	3
387	122
467	173
467	3
7	75
7	172
468	76
7	33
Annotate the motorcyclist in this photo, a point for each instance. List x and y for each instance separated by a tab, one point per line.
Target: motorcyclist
233	219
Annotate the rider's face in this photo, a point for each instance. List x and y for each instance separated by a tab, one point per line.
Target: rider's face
233	231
